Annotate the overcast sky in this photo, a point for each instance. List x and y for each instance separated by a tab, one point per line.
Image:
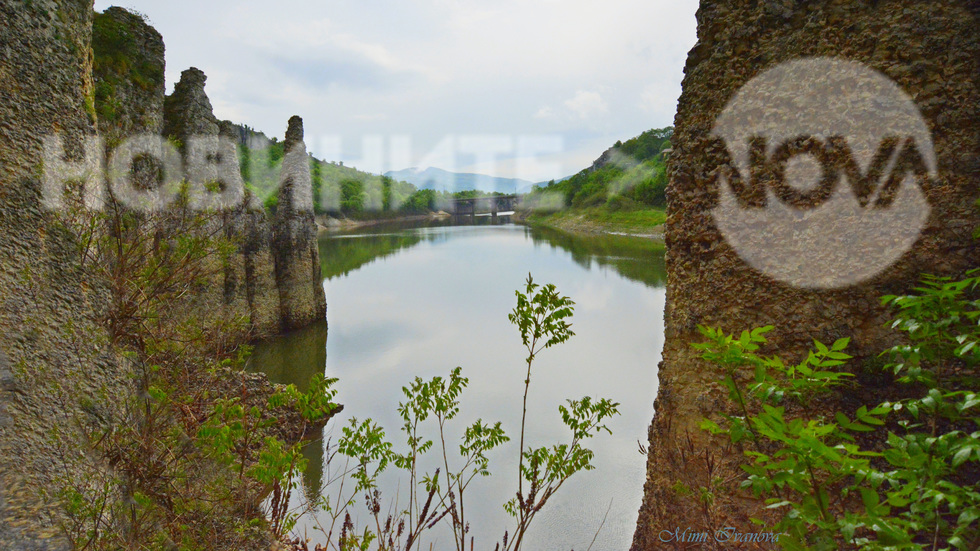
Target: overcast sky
539	87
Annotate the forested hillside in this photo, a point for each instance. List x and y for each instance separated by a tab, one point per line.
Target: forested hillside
630	174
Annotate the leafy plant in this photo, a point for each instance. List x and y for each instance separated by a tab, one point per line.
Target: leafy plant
427	411
919	489
541	316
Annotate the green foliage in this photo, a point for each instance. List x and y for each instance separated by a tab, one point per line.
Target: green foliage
245	164
541	316
316	176
239	436
549	467
189	459
365	443
118	62
386	193
618	203
633	170
351	196
423	200
917	490
541	313
428	409
314	404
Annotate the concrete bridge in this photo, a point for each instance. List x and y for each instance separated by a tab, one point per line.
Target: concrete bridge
483	205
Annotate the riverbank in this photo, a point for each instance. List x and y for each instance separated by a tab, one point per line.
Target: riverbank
326	223
599	220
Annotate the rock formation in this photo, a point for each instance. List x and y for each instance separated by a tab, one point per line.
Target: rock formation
187	111
58	370
276	273
931	50
294	237
45	88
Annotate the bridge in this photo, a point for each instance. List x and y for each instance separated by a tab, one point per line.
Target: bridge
483	205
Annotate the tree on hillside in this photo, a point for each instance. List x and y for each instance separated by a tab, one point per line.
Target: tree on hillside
351	196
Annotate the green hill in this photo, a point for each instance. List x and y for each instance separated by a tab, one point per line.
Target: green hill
629	175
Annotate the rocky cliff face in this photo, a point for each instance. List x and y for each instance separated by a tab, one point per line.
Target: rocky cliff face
294	243
187	112
58	370
45	88
931	50
128	74
274	278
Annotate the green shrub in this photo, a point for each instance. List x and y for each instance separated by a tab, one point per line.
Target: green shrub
919	488
618	203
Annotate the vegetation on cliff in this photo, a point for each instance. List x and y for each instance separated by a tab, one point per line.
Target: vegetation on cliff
128	73
629	173
193	445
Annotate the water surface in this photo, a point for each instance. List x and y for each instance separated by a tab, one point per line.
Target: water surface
407	302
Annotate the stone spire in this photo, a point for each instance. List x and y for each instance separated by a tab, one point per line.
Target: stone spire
294	242
188	111
295	183
709	284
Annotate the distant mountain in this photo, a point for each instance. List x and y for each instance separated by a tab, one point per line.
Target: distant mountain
443	180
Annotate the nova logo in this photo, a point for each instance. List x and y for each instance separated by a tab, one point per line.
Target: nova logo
821	187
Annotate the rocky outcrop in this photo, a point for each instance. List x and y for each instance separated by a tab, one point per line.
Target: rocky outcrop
274	278
931	50
294	239
60	376
187	111
244	135
187	116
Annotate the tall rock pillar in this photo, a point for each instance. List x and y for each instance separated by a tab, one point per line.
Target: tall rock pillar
294	241
45	90
931	50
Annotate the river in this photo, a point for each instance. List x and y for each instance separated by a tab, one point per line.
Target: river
419	301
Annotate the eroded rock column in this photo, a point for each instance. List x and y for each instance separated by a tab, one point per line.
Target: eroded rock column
294	240
49	341
931	50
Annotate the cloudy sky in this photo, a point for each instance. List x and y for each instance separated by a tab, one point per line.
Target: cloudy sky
528	88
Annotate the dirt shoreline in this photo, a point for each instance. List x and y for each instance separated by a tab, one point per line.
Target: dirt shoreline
582	225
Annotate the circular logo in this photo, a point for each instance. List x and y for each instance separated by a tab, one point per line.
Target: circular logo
822	184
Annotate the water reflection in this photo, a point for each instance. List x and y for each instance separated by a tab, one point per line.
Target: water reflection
417	302
294	359
342	252
639	259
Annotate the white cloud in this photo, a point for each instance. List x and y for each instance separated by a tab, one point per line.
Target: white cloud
436	68
371	117
587	104
659	99
583	105
545	112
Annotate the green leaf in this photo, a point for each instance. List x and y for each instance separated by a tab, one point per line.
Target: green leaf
961	456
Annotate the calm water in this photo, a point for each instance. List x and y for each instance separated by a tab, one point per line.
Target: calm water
407	302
